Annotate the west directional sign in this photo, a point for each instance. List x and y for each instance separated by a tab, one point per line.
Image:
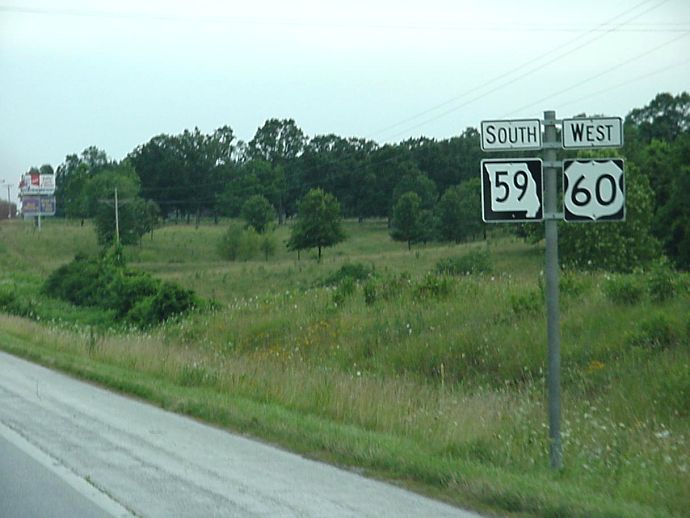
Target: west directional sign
594	190
512	190
506	135
593	132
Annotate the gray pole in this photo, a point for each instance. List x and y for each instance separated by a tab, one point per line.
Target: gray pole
9	202
117	220
552	311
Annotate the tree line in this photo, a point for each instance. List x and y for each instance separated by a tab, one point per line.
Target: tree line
428	188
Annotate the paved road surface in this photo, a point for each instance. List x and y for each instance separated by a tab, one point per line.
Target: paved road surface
128	458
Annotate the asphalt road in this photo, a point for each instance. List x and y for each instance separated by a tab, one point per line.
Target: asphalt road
72	444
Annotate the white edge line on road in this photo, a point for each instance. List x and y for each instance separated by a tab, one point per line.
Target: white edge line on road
78	483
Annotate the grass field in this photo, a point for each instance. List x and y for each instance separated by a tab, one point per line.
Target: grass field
431	381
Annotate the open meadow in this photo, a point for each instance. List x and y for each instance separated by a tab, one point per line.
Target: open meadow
377	359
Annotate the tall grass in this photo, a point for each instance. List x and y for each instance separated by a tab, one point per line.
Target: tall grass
439	383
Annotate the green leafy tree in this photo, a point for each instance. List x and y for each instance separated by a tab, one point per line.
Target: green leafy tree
415	181
615	246
280	143
239	243
268	245
258	212
405	224
134	213
319	223
72	178
459	212
664	118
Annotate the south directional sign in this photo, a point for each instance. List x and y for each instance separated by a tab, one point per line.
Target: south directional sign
505	135
512	190
594	190
592	132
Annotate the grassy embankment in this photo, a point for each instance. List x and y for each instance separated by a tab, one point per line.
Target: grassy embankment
438	383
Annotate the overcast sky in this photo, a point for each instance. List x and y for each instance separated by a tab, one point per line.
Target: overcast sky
116	73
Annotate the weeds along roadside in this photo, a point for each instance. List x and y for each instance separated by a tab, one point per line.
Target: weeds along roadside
456	374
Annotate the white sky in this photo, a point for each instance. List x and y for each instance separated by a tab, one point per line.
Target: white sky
115	73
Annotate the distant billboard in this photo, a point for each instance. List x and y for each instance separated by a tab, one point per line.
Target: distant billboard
36	183
38	205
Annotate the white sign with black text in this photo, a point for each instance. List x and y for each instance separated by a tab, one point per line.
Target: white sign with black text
511	134
512	190
594	190
594	132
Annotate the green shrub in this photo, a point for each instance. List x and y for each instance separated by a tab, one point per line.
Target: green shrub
526	302
476	261
660	283
369	292
127	288
239	243
433	286
345	289
656	332
83	282
386	287
570	284
349	271
12	304
623	289
133	296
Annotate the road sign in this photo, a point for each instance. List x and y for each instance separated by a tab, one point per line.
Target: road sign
37	184
512	190
38	205
594	132
594	190
511	134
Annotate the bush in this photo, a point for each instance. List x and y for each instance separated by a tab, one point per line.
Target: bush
623	289
130	287
345	289
655	332
105	282
660	283
386	287
349	271
239	243
12	304
526	302
433	286
83	282
476	261
168	301
268	245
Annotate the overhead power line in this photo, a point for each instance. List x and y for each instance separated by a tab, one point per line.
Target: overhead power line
317	23
627	82
522	70
609	70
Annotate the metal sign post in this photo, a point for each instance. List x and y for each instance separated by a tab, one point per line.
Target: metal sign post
511	191
553	333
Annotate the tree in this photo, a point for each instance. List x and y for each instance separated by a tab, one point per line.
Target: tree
459	211
664	118
405	225
615	246
413	180
72	178
319	223
258	213
134	214
280	142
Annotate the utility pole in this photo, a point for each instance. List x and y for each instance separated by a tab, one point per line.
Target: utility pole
117	221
